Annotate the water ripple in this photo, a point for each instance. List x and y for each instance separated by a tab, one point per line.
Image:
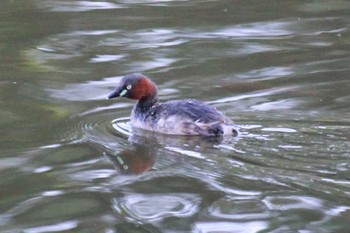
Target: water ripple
61	226
78	6
155	207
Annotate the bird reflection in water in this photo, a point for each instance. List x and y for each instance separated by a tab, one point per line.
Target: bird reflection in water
136	161
144	147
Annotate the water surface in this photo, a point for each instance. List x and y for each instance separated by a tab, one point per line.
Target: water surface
69	163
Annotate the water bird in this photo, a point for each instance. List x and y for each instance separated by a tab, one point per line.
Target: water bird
175	117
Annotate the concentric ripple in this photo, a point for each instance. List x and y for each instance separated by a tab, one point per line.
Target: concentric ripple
122	125
155	207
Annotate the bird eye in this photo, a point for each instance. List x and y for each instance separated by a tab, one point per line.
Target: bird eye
128	87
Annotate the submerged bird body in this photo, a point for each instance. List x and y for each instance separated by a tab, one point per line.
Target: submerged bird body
177	117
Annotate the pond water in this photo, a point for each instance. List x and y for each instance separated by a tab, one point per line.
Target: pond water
279	69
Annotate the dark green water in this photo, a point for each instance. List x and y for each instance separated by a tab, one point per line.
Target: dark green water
280	69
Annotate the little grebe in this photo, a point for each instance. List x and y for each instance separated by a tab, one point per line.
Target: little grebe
177	117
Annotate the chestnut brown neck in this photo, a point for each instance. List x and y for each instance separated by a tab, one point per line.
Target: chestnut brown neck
144	89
